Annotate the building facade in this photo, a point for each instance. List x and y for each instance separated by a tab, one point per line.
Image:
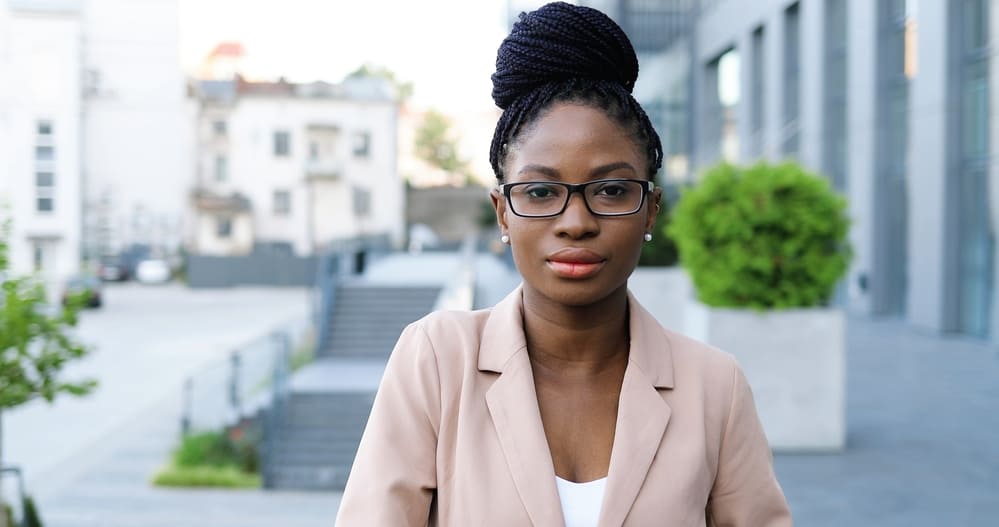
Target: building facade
40	121
95	138
892	100
137	127
300	165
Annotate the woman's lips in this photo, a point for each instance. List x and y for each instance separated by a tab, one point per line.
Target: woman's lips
574	269
572	262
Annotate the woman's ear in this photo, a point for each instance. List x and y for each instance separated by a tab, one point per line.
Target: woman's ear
499	205
655	198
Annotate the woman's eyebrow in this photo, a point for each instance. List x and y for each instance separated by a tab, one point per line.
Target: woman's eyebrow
554	174
540	169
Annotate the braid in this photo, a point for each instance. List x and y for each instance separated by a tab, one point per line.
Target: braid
567	53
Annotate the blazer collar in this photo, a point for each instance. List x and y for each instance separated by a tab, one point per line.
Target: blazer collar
513	405
503	337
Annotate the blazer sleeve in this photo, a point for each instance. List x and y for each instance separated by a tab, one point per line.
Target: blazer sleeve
394	475
746	492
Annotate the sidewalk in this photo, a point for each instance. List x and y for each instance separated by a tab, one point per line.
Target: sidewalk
111	489
923	450
923	436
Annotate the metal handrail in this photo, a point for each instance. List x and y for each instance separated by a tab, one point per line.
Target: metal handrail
326	282
459	292
22	495
274	415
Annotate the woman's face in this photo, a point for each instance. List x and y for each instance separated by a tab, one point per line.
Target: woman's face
575	258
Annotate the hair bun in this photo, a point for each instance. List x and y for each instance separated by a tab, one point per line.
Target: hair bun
558	42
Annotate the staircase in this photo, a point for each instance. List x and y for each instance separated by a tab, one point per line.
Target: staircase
316	437
317	440
367	319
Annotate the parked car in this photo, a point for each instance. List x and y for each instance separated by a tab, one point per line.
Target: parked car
152	272
87	285
113	270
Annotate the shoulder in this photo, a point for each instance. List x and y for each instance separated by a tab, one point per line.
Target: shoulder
701	366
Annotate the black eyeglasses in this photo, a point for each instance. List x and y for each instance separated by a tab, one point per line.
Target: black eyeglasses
603	197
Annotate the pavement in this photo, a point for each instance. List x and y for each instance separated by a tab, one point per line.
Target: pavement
922	450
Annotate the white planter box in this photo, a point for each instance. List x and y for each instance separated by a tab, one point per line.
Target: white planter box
795	362
664	292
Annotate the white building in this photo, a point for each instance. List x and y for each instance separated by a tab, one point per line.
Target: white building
40	110
302	165
95	144
137	131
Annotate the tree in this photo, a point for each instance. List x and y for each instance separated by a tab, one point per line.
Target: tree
35	341
403	89
435	145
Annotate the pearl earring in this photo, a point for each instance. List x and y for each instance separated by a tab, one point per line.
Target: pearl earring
505	239
648	236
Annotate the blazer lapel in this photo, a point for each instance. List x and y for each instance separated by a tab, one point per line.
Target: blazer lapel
642	415
513	407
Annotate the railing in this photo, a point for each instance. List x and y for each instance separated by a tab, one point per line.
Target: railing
19	505
274	415
459	292
231	389
327	272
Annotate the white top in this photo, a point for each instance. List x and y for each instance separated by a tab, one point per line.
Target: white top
581	501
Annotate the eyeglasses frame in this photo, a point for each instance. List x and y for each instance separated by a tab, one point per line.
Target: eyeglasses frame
647	188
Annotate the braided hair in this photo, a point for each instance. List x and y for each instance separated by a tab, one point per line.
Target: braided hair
567	53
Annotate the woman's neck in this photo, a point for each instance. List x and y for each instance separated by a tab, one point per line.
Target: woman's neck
576	341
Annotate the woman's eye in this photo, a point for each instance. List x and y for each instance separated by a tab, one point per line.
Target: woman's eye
612	190
540	192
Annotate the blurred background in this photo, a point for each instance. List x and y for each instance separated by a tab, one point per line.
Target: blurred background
257	196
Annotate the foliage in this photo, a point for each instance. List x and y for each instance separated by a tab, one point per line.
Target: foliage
31	517
214	459
217	450
207	476
403	90
35	343
762	237
435	145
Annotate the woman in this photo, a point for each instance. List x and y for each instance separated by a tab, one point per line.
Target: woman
566	403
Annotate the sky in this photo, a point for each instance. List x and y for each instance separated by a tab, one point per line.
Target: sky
446	48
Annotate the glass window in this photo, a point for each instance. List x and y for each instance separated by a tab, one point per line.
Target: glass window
792	79
219	128
221	168
362	144
223	227
835	120
757	109
44	153
44	128
282	202
45	204
282	144
44	179
362	202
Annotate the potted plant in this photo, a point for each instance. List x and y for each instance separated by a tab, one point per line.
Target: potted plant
659	283
765	246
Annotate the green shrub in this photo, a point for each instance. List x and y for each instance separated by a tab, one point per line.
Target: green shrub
215	459
31	517
217	449
206	476
762	237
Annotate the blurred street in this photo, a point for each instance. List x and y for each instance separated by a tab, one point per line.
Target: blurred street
922	451
145	341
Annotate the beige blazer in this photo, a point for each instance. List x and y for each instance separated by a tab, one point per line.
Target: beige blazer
455	435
